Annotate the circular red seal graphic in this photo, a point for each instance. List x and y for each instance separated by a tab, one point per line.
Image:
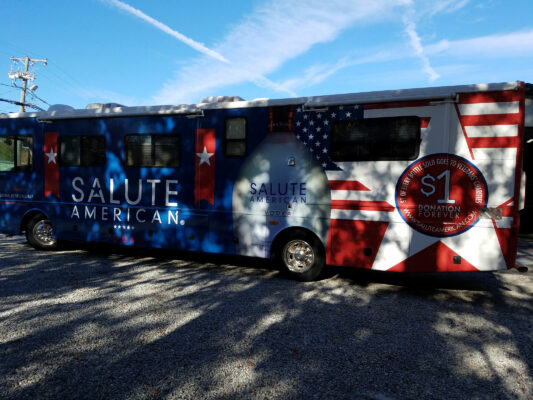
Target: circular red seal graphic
441	195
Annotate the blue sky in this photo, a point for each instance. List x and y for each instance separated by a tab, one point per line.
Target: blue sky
140	52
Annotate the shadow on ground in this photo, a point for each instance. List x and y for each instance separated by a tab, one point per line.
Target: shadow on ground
101	322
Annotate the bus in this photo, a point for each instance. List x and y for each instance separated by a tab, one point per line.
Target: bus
415	180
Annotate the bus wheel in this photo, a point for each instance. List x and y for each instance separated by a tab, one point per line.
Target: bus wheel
40	234
302	256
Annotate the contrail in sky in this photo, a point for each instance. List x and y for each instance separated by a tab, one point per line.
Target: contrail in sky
159	25
416	43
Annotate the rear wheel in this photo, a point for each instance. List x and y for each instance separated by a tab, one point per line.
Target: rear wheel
40	234
302	255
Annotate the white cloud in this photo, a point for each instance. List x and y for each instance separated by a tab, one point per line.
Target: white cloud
317	73
273	34
514	44
433	7
162	27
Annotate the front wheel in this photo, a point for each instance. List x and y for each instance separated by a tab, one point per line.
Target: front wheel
39	233
302	256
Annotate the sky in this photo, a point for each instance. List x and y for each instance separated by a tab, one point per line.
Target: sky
140	52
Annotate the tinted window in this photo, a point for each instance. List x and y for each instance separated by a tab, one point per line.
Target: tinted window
93	150
82	151
16	153
153	151
396	138
235	137
70	150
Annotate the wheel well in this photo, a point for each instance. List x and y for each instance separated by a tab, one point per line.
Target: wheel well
281	237
29	216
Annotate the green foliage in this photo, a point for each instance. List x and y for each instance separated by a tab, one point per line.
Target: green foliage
7	154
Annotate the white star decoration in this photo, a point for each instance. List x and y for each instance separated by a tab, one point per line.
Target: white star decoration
204	157
51	156
313	129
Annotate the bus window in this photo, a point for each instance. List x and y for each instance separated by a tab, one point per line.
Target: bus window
375	139
82	151
153	151
7	152
16	153
235	137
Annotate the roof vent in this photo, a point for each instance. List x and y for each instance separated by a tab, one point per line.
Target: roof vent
94	106
221	99
60	108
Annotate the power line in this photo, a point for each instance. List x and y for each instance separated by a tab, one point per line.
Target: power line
10	86
24	75
18	103
31	93
34	96
66	82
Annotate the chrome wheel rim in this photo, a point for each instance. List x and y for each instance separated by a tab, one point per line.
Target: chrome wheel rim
43	233
298	256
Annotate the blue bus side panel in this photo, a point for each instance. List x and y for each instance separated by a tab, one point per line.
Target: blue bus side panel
88	210
21	192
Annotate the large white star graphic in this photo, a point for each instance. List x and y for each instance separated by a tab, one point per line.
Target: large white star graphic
51	156
204	157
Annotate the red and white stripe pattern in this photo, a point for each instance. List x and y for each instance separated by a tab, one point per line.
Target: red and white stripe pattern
345	195
351	199
358	221
490	120
489	127
491	124
363	212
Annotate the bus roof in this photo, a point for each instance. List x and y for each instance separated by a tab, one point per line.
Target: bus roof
116	110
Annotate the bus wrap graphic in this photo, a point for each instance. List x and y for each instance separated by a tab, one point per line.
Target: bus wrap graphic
51	168
204	175
441	195
388	180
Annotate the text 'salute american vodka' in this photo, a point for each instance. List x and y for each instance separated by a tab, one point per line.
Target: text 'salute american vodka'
280	185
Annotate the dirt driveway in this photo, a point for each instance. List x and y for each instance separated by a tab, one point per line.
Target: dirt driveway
107	323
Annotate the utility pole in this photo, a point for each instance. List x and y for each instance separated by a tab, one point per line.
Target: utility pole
24	75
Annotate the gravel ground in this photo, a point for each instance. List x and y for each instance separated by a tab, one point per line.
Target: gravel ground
109	323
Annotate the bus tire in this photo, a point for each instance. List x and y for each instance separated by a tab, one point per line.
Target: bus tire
40	234
302	255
